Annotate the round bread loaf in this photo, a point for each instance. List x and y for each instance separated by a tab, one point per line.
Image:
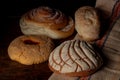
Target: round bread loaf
75	58
30	49
87	23
47	21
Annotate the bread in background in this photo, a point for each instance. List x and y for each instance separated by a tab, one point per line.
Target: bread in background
47	21
87	23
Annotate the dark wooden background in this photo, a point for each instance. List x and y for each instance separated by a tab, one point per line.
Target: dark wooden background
9	29
18	7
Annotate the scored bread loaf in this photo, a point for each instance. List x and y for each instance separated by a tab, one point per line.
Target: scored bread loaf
75	58
47	21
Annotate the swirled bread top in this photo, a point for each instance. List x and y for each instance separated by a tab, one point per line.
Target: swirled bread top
46	16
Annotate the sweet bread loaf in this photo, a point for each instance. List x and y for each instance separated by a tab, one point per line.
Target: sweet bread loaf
87	23
30	49
75	58
47	21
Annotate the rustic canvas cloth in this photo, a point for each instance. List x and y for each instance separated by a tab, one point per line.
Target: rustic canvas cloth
111	51
110	12
110	41
55	76
109	44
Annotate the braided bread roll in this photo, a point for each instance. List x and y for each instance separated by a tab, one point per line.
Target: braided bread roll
47	21
75	58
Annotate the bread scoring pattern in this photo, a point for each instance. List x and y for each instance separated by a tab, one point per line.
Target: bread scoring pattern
51	17
74	56
47	21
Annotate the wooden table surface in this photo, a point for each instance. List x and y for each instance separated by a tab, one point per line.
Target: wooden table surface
11	70
10	29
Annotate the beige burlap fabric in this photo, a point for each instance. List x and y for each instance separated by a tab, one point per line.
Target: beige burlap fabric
109	43
111	51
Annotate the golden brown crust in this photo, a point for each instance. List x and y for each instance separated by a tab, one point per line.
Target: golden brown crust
46	21
75	74
87	23
44	16
75	58
30	49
